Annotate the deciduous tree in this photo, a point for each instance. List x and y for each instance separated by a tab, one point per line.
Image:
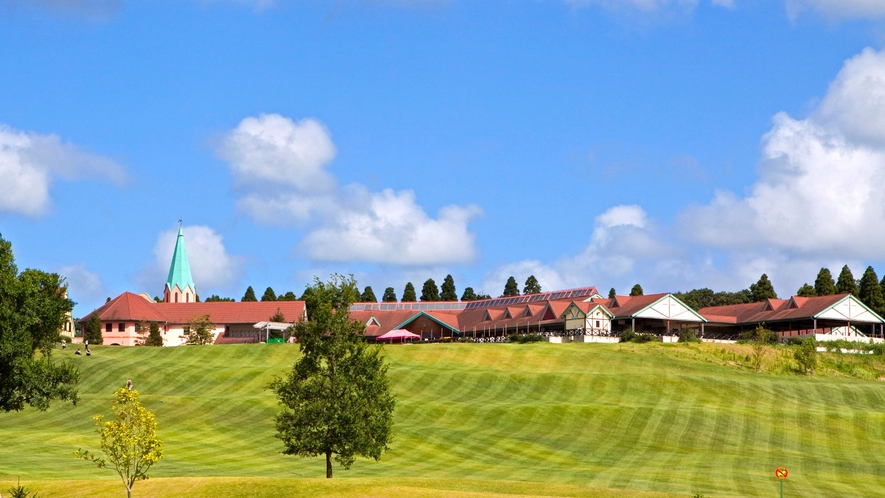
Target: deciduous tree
636	290
368	295
761	339
198	330
806	356
249	296
531	286
389	295
336	401
510	288
448	290
409	293
762	290
824	284
846	283
129	441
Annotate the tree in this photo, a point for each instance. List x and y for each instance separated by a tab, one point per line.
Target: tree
702	298
278	317
92	332
154	338
531	286
142	328
389	295
289	296
761	337
824	284
129	442
846	283
269	295
510	288
762	290
636	290
430	292
368	295
481	296
198	330
469	295
612	293
870	293
806	356
215	298
249	296
33	308
337	399
806	291
409	293
448	290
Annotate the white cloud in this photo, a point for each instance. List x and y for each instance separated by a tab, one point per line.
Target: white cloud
279	167
838	9
83	285
211	265
30	162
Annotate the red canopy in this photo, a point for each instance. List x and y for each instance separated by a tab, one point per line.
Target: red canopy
401	334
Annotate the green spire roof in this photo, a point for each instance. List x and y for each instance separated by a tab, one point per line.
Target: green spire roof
180	271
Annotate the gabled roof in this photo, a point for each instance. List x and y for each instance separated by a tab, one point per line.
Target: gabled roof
180	269
657	306
128	306
443	320
772	310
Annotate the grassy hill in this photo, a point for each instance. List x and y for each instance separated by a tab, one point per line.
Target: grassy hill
478	419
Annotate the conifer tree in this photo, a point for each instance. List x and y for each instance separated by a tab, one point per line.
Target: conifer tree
806	291
368	295
762	290
824	285
448	290
870	293
389	295
510	288
409	295
846	283
430	292
612	293
154	338
469	295
92	331
531	286
289	296
636	290
249	296
269	295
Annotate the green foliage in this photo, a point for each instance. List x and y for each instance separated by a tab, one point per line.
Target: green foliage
368	295
824	285
19	491
448	290
629	335
336	400
409	295
481	296
510	288
277	317
526	338
702	298
92	331
249	296
761	338
288	296
762	290
806	291
198	330
215	298
531	286
806	356
154	338
870	293
469	294
430	292
269	295
636	290
612	293
846	283
33	308
129	442
688	335
389	295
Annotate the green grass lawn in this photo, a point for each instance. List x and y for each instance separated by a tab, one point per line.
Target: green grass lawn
477	420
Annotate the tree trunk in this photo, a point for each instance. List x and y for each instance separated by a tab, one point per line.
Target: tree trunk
128	492
328	465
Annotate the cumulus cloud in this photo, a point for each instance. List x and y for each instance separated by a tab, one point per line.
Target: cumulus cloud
838	9
83	285
211	265
279	167
30	162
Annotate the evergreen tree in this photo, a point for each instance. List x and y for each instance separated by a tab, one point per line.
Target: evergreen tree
389	295
269	295
409	295
289	296
215	298
636	290
762	290
824	285
249	296
846	283
806	291
612	293
448	290
430	292
481	297
469	295
154	338
92	332
531	286
368	295
510	288
870	293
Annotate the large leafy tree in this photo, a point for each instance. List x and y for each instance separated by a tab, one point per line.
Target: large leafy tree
33	308
531	286
269	295
336	401
762	290
510	288
389	295
469	294
409	295
636	290
870	293
448	290
129	442
368	295
249	296
824	285
846	283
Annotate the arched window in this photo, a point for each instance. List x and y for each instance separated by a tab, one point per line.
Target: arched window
187	297
176	297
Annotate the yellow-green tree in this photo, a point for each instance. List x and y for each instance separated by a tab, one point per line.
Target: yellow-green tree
198	330
129	442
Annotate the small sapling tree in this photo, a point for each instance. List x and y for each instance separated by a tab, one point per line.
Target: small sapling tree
154	338
129	442
761	338
806	356
198	330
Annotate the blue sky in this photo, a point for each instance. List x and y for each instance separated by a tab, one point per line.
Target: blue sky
671	143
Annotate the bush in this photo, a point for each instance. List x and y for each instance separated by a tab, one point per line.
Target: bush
628	335
526	338
688	335
646	337
806	356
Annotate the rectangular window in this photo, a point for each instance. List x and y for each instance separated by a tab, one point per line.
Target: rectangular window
108	327
121	327
138	327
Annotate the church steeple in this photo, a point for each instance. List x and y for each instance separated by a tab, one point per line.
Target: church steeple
180	287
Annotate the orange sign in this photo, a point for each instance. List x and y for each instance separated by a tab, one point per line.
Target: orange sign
781	473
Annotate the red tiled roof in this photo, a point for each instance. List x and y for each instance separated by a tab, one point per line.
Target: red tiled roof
630	305
780	309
